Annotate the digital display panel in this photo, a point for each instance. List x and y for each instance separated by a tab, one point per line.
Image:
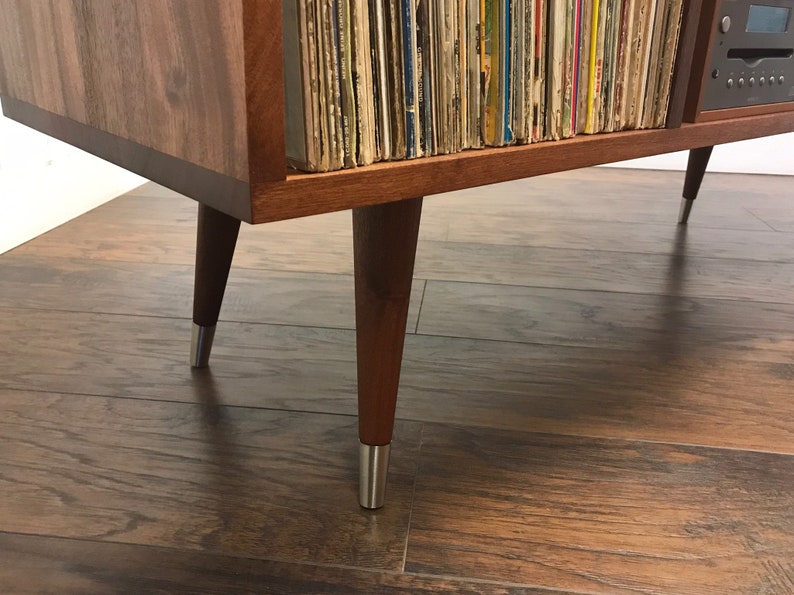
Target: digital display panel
767	19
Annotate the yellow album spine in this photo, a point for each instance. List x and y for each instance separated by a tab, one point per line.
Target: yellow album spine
591	81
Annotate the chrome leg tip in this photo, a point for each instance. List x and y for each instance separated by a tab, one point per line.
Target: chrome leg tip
201	345
686	208
373	469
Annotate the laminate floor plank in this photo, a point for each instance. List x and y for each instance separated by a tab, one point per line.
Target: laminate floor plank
602	516
598	400
594	204
780	218
634	238
584	210
123	227
712	216
690	397
443	261
161	243
549	197
138	288
608	271
276	367
445	221
49	565
175	209
607	320
198	476
512	313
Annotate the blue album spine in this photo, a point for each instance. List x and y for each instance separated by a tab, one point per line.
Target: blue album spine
422	70
408	66
508	41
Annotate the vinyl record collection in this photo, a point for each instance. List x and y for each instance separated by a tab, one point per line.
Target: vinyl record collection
379	80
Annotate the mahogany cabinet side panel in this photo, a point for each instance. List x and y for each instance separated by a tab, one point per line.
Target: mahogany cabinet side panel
264	89
165	74
683	62
701	57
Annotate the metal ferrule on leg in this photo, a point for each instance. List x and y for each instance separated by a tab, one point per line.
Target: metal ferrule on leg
201	345
373	470
686	208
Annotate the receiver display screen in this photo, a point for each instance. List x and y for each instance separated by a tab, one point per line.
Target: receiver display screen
767	19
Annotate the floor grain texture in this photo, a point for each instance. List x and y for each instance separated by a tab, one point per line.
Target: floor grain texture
602	515
593	400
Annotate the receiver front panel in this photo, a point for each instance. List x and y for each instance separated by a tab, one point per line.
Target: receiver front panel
751	55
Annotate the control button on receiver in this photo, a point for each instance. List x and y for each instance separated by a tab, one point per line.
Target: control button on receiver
730	83
725	24
780	80
761	81
741	83
715	74
751	82
771	80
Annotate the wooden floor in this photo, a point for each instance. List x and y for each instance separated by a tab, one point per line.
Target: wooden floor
593	400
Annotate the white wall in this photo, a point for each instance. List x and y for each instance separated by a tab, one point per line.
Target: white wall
45	183
769	155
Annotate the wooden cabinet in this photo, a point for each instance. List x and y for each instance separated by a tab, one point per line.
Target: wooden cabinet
190	94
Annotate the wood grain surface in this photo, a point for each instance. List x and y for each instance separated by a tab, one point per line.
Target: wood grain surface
264	89
607	271
215	242
42	564
608	320
683	64
695	170
167	75
693	396
602	516
538	208
256	296
253	364
635	258
640	238
384	250
778	218
583	410
199	476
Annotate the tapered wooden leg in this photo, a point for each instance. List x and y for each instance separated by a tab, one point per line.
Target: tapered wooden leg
215	242
695	169
384	242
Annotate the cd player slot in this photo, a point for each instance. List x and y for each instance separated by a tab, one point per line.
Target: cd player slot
753	56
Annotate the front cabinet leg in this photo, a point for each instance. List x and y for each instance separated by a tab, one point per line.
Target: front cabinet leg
695	169
384	250
215	242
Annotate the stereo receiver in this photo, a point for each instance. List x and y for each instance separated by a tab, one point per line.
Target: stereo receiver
744	59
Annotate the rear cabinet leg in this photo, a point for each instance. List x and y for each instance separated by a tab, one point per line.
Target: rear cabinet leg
384	241
695	169
215	242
